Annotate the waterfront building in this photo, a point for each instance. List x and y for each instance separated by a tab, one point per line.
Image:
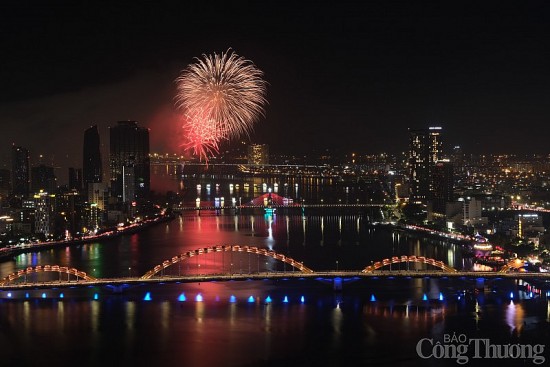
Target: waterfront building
443	183
425	149
20	171
92	169
258	154
69	209
473	212
129	147
44	213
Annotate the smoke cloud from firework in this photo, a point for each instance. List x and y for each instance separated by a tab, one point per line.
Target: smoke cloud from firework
221	96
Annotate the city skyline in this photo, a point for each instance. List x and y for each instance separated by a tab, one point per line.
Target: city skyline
344	77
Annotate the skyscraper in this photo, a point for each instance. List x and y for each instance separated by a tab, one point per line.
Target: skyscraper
91	165
443	184
5	183
75	179
129	147
424	152
20	171
43	178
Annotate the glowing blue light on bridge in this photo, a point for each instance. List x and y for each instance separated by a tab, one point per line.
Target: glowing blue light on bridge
96	296
302	299
372	298
424	297
147	296
530	294
268	299
9	294
440	296
26	295
232	299
198	297
285	300
43	295
61	295
250	299
182	297
511	295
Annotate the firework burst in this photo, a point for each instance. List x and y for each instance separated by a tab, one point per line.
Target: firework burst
202	135
222	96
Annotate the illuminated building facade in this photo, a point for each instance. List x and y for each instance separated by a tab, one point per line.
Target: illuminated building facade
529	224
258	154
96	208
424	152
44	213
129	147
20	171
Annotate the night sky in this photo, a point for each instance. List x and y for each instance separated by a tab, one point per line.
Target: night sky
349	76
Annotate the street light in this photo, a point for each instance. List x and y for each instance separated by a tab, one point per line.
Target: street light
336	265
130	271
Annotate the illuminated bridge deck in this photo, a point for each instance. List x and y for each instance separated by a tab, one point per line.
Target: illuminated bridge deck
117	282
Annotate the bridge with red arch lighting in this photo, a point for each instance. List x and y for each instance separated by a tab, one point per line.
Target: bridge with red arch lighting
408	259
234	248
23	273
375	270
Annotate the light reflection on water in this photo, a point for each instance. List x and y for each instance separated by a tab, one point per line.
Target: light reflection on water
326	325
318	332
515	317
317	240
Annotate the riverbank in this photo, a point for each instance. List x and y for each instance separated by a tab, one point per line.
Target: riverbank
7	253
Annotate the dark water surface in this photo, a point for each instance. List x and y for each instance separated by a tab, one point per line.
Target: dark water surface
371	322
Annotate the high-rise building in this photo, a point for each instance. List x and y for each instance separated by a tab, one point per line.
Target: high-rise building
43	178
128	184
91	166
443	183
5	183
458	158
258	154
75	179
424	152
69	207
95	210
98	194
129	147
44	213
20	171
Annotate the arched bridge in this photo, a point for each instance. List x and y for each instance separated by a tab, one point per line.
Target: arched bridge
513	264
407	259
235	248
304	272
44	269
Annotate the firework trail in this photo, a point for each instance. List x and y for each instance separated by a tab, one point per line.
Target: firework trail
222	95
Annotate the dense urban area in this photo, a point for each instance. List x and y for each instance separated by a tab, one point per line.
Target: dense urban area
499	202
